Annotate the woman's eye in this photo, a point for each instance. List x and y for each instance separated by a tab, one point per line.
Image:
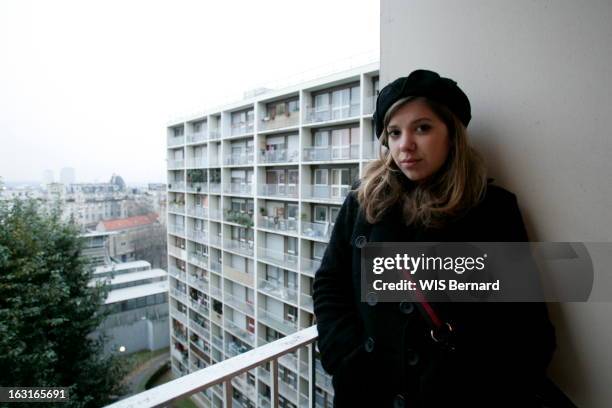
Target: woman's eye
393	133
423	128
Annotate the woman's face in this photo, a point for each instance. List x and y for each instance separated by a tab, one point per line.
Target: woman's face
418	140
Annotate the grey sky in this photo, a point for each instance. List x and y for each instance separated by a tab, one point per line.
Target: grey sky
91	85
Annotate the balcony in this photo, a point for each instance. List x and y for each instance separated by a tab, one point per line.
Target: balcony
276	322
238	188
214	187
198	235
197	187
278	190
214	134
199	282
369	105
239	217
317	230
236	275
241	247
276	289
179	355
198	259
247	389
197	137
239	159
217	341
242	334
287	390
306	302
175	141
199	307
176	229
176	252
239	304
178	186
326	113
234	348
198	211
282	259
215	266
310	266
278	224
197	162
177	207
324	192
176	272
330	153
242	128
200	329
370	150
279	122
178	315
215	214
182	296
176	164
278	156
224	372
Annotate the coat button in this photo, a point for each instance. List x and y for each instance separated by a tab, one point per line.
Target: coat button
406	307
372	299
360	241
399	401
369	345
412	357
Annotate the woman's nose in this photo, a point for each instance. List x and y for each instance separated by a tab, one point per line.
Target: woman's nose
407	141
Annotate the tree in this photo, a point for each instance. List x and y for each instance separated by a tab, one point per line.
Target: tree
47	310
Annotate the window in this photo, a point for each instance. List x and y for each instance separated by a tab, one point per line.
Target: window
321	138
293	106
321	177
320	213
334	214
318	249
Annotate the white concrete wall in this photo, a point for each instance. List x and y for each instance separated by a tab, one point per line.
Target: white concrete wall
539	76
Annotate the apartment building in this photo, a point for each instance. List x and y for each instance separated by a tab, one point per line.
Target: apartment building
254	189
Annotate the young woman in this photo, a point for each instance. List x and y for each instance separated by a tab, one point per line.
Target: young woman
427	185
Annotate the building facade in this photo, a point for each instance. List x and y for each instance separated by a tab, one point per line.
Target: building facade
254	189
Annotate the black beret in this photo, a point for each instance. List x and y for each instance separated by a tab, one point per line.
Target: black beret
427	84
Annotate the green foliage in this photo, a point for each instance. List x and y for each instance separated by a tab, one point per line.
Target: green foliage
47	311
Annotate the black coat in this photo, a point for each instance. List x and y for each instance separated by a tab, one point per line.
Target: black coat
381	355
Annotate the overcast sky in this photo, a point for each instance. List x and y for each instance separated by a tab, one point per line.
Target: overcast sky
92	85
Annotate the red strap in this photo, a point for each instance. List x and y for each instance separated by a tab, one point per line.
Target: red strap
433	316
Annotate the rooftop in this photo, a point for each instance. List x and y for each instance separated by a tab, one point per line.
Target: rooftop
135	292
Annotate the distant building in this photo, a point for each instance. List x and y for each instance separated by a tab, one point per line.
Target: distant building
131	234
67	175
48	177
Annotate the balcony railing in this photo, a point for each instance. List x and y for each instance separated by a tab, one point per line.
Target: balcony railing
278	224
197	162
197	137
239	217
310	266
176	164
330	153
198	235
280	121
175	141
242	129
176	186
239	304
198	259
369	105
197	187
177	252
276	322
238	188
199	282
214	187
176	229
278	190
370	150
242	334
324	113
278	290
200	328
215	266
237	159
278	257
214	134
176	272
306	302
318	230
178	208
224	372
197	211
199	307
215	214
182	296
335	193
241	277
278	156
242	247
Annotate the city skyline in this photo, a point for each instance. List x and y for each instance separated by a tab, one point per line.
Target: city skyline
75	94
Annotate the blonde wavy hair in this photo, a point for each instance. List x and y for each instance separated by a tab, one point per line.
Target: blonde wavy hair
456	187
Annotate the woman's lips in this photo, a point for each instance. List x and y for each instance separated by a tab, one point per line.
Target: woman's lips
409	163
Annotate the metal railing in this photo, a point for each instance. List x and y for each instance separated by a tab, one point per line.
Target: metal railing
278	156
332	193
176	141
324	113
280	121
319	230
197	137
278	190
176	186
280	258
330	153
278	224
